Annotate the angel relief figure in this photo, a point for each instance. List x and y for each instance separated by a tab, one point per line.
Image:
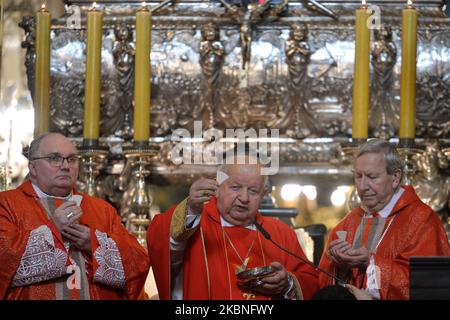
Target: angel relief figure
211	60
383	111
120	105
298	56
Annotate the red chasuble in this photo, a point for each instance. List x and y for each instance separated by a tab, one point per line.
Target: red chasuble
411	229
210	260
22	213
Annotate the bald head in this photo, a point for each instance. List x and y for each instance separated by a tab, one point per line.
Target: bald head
241	194
36	143
247	160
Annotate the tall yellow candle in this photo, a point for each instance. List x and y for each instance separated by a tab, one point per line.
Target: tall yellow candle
408	76
361	76
42	72
142	76
93	75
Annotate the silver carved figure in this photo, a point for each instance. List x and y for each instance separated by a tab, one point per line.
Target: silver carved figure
122	111
384	113
211	60
298	56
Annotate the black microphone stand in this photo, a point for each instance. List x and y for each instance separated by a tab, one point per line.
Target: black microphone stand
268	237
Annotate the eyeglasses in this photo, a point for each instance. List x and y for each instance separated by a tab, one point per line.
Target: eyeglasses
57	160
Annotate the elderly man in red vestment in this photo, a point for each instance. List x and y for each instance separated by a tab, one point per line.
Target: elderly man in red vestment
56	243
197	247
371	246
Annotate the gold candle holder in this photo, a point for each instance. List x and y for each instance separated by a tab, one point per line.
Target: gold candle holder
92	161
139	157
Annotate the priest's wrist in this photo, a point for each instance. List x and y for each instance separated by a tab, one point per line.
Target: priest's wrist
190	218
364	264
195	209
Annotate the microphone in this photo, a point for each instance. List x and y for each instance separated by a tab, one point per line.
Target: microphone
268	237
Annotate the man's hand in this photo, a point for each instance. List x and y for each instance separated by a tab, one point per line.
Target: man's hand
201	191
359	294
79	236
336	249
275	283
357	258
66	214
342	254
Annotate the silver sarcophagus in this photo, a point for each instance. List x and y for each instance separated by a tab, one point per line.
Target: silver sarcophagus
281	68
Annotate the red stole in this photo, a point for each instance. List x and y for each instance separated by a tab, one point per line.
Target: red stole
242	238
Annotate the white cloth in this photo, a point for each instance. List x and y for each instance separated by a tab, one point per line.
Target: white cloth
41	194
388	208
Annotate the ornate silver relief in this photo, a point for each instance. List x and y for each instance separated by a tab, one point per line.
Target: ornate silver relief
262	95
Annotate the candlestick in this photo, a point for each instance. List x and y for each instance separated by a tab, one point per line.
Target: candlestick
93	74
142	76
408	75
361	76
42	72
